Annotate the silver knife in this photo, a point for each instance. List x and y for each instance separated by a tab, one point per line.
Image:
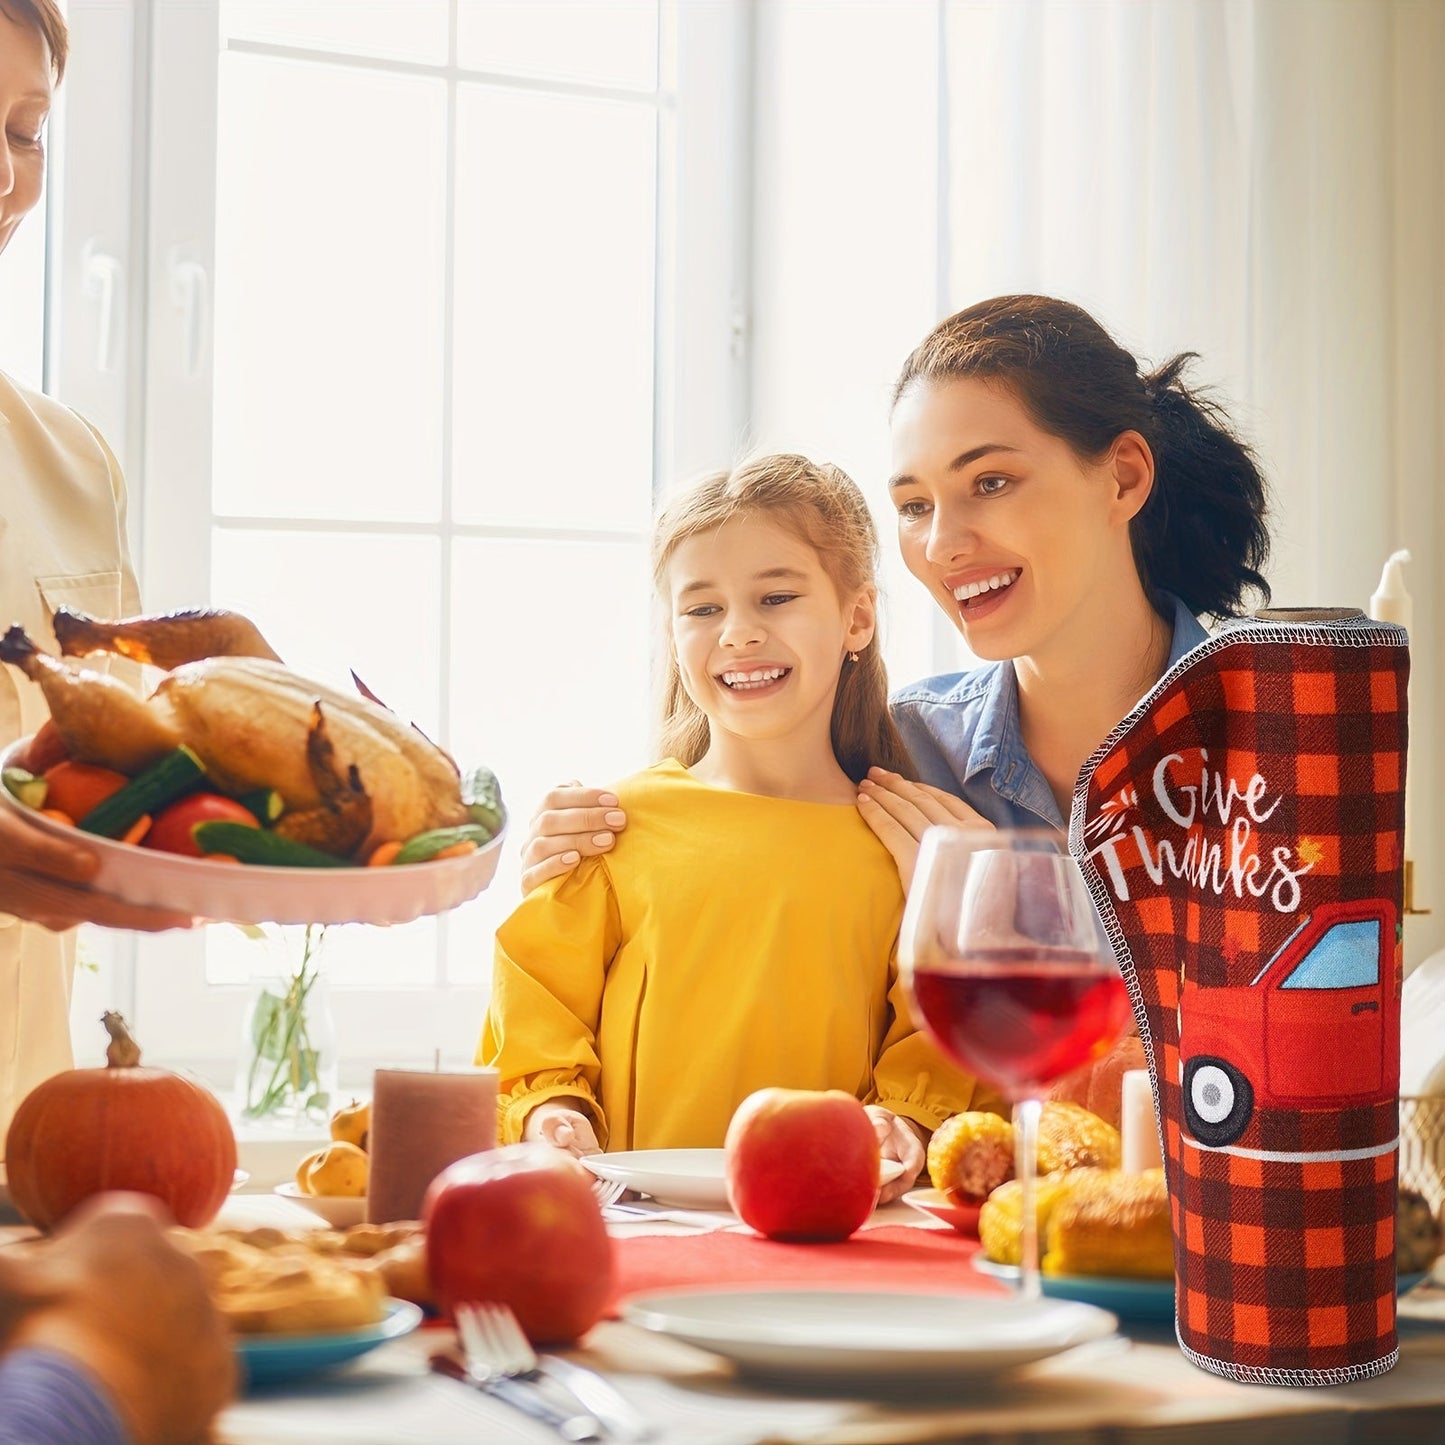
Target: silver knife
521	1396
598	1394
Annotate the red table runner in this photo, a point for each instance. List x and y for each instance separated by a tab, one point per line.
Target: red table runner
893	1257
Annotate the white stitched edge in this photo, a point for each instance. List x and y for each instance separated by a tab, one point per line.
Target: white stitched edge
1254	1375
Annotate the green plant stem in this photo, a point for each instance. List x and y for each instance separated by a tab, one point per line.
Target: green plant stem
291	1066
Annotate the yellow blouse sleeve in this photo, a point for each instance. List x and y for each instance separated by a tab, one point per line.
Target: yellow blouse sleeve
550	966
913	1078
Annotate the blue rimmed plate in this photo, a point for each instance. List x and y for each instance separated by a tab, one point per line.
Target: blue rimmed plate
269	1359
1130	1299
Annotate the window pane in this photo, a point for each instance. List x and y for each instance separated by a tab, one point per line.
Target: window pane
549	681
329	246
554	311
328	603
352	956
395	29
401	957
605	42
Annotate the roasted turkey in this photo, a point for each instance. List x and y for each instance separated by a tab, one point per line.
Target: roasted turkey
252	722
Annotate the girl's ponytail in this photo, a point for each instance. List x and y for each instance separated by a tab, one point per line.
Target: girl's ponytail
1201	535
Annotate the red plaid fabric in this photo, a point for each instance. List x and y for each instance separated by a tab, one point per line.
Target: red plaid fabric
1241	832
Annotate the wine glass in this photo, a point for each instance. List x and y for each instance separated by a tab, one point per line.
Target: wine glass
1012	974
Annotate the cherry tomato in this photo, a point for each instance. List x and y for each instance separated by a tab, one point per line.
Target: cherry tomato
76	788
171	831
46	749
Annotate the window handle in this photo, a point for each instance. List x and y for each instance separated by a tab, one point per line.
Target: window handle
103	280
190	292
1364	1003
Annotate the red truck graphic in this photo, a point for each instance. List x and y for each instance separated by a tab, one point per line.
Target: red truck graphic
1310	1031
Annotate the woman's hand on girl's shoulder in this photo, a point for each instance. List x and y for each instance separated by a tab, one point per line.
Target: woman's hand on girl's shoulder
900	812
571	823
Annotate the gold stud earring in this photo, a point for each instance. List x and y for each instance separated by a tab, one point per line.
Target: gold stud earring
852	657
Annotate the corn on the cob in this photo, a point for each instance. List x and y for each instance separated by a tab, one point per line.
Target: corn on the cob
970	1155
1109	1223
1070	1137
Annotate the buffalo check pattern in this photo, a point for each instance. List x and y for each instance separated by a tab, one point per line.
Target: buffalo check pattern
1244	819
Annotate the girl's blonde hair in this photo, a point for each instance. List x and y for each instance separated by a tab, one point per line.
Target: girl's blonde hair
821	506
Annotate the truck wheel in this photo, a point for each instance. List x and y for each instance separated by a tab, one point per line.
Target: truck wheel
1218	1101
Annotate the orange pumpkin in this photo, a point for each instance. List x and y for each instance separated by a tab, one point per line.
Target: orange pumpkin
121	1127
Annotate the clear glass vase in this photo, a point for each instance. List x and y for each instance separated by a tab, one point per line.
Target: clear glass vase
286	1069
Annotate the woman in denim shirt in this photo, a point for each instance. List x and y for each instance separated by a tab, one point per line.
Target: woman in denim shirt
1073	516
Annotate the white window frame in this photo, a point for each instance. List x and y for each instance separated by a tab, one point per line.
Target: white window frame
130	196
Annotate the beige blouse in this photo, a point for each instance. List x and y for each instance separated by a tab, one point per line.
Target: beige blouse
62	541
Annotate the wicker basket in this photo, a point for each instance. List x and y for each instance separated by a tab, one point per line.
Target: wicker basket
1422	1148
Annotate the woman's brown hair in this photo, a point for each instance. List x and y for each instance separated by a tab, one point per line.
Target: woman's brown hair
43	16
1201	535
822	507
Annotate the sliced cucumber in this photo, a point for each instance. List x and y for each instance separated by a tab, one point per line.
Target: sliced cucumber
265	805
425	846
159	785
483	796
256	845
25	787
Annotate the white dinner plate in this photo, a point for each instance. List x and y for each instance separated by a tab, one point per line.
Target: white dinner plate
683	1178
873	1335
252	893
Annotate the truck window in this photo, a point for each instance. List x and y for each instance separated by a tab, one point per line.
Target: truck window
1348	956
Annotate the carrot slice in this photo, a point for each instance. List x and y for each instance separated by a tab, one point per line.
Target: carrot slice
223	858
137	830
56	816
382	854
457	850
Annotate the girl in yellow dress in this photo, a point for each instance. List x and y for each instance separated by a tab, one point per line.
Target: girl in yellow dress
741	934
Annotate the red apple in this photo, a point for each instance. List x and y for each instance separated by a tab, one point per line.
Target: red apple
802	1164
520	1225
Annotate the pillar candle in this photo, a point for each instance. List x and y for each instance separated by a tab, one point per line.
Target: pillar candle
421	1121
1391	602
1138	1128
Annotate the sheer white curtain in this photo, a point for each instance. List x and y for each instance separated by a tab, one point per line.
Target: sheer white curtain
1261	181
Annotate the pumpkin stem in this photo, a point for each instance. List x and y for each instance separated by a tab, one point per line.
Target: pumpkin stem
122	1052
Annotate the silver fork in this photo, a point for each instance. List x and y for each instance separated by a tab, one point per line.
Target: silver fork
608	1191
592	1391
497	1364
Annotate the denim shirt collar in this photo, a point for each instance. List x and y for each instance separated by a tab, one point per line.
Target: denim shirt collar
998	744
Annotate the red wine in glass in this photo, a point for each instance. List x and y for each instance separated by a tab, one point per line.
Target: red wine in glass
1021	1017
1011	973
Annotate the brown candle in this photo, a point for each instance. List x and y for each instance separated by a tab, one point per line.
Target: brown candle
421	1121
